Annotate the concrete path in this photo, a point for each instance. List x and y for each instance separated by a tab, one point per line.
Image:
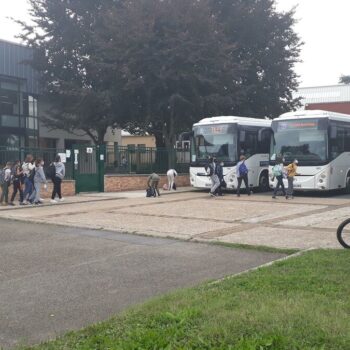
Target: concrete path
305	222
55	278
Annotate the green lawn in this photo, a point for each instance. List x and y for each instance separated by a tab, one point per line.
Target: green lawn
301	303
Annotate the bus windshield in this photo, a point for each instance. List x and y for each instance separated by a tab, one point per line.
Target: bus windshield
218	141
305	142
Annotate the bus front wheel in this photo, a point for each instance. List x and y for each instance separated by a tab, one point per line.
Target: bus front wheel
264	182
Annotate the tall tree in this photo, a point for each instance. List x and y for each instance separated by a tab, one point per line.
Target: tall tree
183	70
78	81
268	47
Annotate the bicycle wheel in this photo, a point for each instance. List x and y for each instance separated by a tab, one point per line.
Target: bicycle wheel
343	234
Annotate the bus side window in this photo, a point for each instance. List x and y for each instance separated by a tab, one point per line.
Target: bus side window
264	141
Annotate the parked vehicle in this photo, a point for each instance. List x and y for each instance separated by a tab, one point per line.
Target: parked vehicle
320	141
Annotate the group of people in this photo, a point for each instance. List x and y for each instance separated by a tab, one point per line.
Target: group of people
280	172
27	178
153	183
214	170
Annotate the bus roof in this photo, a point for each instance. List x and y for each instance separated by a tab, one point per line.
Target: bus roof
234	120
312	114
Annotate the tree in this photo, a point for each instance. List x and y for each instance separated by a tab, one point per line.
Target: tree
80	85
344	79
268	47
183	69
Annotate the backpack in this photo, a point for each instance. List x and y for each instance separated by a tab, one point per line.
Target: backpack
150	192
276	171
51	171
243	170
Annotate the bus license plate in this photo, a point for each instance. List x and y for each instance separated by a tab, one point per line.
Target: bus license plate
297	185
207	185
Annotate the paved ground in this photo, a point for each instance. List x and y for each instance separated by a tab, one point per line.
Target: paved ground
56	278
302	223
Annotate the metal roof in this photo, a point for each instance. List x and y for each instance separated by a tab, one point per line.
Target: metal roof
12	57
324	94
312	114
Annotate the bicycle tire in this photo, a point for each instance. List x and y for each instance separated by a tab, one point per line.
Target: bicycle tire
340	232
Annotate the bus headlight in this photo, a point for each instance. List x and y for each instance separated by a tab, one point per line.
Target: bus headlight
323	176
232	178
320	181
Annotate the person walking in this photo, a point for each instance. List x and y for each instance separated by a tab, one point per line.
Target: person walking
28	169
17	182
60	172
171	174
5	182
39	179
291	172
220	173
277	172
242	175
211	169
153	182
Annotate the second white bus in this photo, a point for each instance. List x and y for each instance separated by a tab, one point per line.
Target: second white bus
320	141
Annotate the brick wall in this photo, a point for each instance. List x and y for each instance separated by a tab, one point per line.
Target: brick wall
338	107
68	189
117	183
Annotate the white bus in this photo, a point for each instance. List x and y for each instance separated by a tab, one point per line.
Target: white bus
320	141
226	138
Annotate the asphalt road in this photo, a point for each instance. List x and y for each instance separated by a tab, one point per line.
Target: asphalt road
54	279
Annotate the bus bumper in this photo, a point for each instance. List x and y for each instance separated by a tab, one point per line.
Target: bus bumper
303	183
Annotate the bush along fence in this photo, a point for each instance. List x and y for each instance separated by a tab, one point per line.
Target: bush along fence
117	159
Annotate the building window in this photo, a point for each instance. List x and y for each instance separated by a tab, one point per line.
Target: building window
18	110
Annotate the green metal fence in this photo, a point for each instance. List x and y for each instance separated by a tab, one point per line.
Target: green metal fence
118	160
144	160
9	154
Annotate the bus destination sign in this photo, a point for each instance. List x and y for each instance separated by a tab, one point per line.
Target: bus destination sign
297	124
213	130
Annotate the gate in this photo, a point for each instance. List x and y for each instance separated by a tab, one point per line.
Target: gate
89	168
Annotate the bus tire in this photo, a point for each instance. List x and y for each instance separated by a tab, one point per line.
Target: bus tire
347	184
340	237
264	182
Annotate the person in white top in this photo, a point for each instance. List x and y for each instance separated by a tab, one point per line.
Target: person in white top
28	169
171	174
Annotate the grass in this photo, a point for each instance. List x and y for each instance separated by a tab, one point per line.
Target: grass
300	303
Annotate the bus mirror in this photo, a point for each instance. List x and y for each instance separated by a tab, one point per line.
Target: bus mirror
261	133
333	132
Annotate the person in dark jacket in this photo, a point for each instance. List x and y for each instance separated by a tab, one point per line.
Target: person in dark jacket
211	169
220	174
17	182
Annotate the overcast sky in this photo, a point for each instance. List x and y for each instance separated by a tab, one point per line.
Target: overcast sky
323	26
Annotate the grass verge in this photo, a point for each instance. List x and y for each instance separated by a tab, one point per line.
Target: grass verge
300	303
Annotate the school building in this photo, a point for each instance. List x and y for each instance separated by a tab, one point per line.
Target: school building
333	98
21	106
